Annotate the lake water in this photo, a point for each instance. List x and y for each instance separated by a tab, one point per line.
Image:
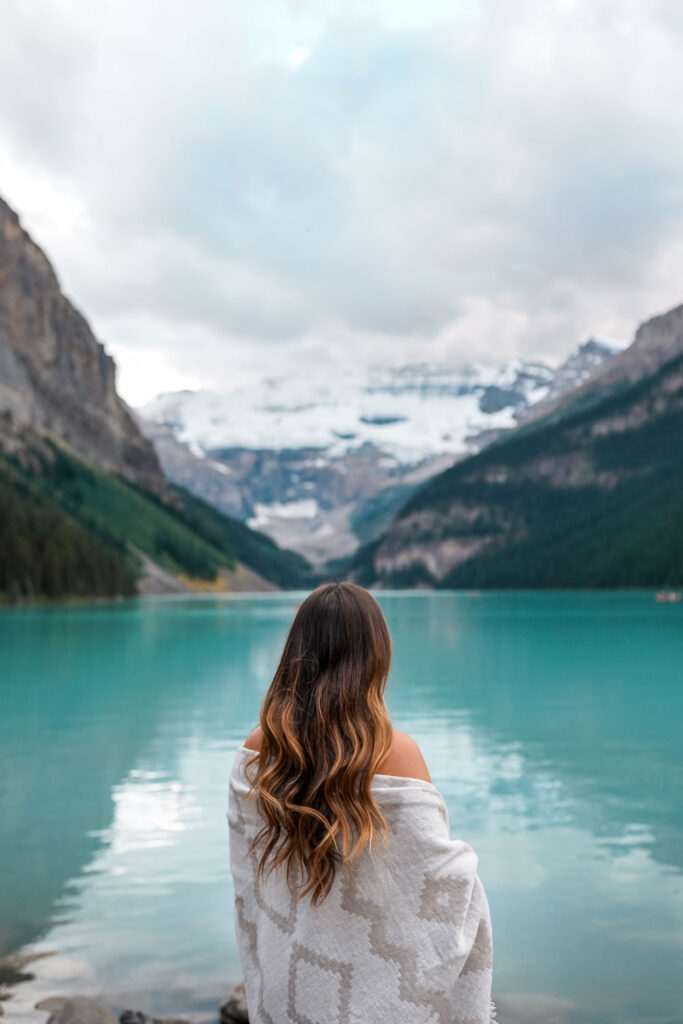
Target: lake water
551	723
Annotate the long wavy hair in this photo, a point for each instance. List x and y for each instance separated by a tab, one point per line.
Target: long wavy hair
326	730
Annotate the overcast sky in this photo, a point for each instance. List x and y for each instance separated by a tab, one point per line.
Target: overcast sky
229	188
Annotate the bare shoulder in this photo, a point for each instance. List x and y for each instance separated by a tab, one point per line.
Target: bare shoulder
405	759
253	740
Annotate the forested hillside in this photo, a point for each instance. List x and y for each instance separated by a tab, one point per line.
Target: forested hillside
68	528
592	496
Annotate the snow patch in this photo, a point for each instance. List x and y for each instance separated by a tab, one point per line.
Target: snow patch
409	413
305	508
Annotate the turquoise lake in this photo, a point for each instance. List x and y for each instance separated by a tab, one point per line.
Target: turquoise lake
551	722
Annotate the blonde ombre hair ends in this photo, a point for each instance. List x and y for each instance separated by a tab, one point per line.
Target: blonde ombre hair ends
326	730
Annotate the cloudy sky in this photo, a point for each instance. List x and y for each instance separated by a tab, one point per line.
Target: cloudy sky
227	188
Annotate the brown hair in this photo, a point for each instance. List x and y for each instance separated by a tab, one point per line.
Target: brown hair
326	730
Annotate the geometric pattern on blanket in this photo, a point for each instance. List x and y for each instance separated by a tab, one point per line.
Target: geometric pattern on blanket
316	987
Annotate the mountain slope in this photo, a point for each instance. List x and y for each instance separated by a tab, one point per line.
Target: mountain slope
45	551
656	342
85	508
592	495
69	528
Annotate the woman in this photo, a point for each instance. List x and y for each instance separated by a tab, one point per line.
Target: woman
352	903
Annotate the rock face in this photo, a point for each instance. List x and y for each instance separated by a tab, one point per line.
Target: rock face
76	1010
234	1009
656	342
54	374
592	495
140	1017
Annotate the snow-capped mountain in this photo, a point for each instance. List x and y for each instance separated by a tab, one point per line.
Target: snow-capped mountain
322	461
410	412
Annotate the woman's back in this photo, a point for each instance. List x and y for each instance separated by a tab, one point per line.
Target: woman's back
353	905
403	939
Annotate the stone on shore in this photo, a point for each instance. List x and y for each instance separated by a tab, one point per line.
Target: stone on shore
75	1010
84	1010
138	1017
234	1009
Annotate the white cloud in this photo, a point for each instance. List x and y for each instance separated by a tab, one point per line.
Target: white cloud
297	56
237	186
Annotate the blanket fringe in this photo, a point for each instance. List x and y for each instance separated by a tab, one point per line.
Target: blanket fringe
493	1013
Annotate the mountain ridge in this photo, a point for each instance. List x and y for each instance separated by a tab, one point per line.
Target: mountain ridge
322	466
581	496
85	508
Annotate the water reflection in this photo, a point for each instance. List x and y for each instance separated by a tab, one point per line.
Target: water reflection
587	685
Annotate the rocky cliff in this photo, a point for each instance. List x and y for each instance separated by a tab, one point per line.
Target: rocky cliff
656	342
54	374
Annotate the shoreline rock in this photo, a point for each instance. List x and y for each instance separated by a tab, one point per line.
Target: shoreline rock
76	1010
234	1009
86	1010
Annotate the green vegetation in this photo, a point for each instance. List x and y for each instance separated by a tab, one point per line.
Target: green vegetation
629	537
256	550
69	528
46	552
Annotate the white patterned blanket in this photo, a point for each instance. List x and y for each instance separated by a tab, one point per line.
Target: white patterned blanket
405	939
